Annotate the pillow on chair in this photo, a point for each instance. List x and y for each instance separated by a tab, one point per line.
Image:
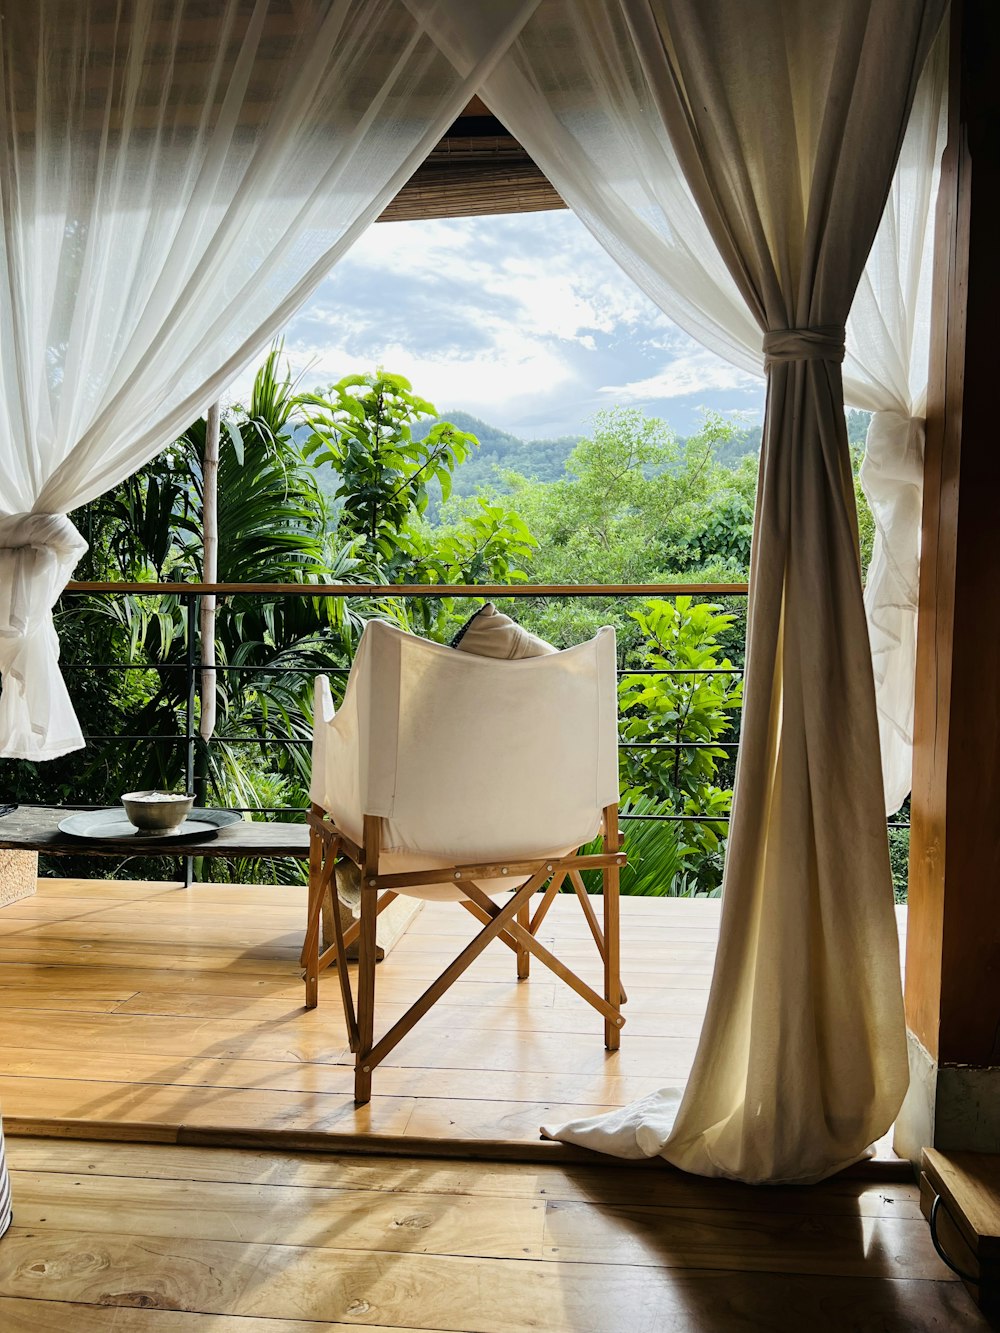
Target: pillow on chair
489	633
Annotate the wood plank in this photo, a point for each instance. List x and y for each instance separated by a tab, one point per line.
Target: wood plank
134	953
272	1214
164	1109
264	981
663	915
544	1052
753	1240
32	1316
478	1085
106	942
175	1037
454	1293
442	919
512	1011
491	1121
185	908
284	940
24	997
111	1066
267	982
462	1224
479	1004
952	1240
166	891
575	944
657	1184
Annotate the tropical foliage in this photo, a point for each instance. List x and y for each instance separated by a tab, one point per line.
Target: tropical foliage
363	429
679	725
127	656
635	505
662	862
350	483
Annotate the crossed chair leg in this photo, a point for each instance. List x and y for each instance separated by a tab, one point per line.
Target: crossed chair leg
512	923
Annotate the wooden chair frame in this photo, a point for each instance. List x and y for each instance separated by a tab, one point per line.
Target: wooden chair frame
513	923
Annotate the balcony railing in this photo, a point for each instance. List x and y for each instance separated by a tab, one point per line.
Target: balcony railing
194	670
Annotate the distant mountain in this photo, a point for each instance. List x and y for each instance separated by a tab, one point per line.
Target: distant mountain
857	425
733	451
545	460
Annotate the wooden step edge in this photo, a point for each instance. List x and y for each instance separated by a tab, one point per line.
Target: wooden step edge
99	1131
874	1169
969	1186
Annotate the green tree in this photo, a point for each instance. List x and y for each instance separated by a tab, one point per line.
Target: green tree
636	505
363	427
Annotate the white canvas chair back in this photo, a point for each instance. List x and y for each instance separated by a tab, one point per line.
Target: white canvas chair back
468	759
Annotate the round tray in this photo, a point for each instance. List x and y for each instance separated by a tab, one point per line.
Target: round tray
112	826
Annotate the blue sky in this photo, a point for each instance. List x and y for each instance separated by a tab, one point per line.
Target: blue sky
522	320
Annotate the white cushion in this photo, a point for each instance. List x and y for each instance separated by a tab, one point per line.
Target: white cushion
489	633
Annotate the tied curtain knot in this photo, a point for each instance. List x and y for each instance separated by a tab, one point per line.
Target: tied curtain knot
825	342
36	549
38	553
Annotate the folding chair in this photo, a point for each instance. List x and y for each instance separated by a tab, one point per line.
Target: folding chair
447	776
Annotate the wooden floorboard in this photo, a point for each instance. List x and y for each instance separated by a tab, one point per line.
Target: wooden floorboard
152	1012
127	1238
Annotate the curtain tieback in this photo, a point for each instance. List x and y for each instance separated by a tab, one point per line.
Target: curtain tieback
825	342
37	556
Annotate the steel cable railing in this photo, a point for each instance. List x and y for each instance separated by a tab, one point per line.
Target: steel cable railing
190	594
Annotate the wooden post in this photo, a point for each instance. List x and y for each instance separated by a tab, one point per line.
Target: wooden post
523	956
366	961
612	975
953	935
310	951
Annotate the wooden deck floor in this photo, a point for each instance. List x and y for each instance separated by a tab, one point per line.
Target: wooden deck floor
142	1005
158	1013
164	1239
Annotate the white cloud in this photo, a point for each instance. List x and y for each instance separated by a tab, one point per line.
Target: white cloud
565	286
515	369
519	320
694	372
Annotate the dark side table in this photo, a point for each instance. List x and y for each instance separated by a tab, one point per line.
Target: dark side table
36	829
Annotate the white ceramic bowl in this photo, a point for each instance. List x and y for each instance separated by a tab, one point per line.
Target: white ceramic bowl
157	810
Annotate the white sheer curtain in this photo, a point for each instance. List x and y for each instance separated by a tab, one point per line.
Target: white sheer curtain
885	372
174	180
616	168
784	123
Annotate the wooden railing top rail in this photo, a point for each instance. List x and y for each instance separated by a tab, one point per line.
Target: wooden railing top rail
497	590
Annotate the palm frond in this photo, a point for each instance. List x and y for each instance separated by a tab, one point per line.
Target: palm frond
657	855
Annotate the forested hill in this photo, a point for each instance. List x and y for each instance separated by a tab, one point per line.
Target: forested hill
498	452
544	460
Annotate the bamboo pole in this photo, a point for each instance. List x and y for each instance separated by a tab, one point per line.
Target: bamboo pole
210	569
